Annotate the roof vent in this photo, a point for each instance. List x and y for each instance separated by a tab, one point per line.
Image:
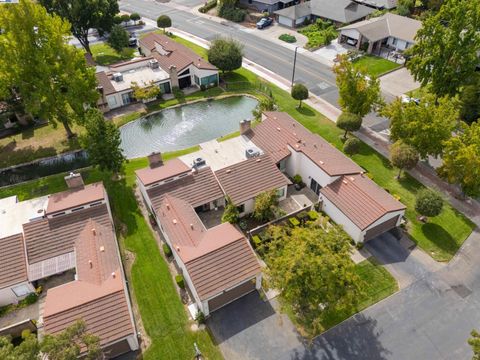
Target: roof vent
94	232
102	248
191	226
278	129
90	263
352	178
321	162
293	124
178	248
345	181
168	206
258	160
174	221
114	275
228	171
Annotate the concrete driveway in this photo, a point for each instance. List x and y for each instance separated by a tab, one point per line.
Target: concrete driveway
398	82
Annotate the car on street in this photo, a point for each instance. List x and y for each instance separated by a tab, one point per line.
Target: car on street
264	22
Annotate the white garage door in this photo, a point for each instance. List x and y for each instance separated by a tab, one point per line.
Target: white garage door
285	21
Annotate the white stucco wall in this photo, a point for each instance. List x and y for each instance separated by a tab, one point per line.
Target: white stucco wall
351	33
7	296
400	44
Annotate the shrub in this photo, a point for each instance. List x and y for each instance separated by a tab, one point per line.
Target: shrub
203	87
288	38
351	146
177	93
429	203
313	215
30	299
265	205
302	217
319	33
180	282
135	17
208	6
256	240
297	179
118	38
166	250
293	221
232	13
231	213
200	318
299	92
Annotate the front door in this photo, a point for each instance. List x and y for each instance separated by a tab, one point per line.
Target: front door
315	186
184	82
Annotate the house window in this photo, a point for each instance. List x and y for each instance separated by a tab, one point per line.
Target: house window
127	98
112	101
186	72
315	186
21	290
197	80
394	41
209	80
165	88
280	192
407	45
241	208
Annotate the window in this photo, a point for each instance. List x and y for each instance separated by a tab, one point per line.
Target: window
315	186
21	290
241	208
197	80
186	72
165	88
394	41
209	80
280	192
112	101
407	45
127	98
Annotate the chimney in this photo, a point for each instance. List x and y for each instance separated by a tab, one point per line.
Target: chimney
245	125
155	159
74	180
173	76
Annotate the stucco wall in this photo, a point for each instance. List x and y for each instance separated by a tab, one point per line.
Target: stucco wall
400	44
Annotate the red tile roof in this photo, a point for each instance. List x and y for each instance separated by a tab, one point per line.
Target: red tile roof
360	199
169	169
98	295
75	197
179	55
13	268
249	178
279	132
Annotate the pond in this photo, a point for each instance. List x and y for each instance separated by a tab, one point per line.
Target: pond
185	126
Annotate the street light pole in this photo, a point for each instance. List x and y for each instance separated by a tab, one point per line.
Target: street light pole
294	64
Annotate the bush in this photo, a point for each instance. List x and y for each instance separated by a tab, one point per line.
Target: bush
208	6
429	203
166	250
30	299
177	93
232	14
180	282
200	318
299	92
351	146
288	38
319	34
297	179
349	122
203	87
302	217
313	215
293	221
118	38
231	213
164	21
256	240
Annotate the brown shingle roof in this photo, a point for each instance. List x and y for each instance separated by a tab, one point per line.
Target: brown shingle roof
179	55
279	131
249	178
75	197
105	83
48	238
98	294
360	199
170	169
198	189
13	268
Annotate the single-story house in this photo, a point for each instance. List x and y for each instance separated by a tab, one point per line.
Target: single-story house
166	64
379	4
339	12
390	30
68	230
348	196
267	5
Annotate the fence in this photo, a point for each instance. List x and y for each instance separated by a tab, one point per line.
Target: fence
258	86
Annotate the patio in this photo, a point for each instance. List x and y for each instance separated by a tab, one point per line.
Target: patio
211	218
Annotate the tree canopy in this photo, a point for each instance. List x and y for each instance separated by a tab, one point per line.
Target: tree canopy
151	91
461	159
118	38
265	206
164	21
299	92
226	54
474	342
231	213
313	269
85	15
428	203
349	122
359	92
403	156
36	60
426	125
445	53
102	142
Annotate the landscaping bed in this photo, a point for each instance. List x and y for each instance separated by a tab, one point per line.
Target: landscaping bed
375	65
319	34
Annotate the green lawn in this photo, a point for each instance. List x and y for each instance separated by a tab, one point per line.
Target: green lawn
375	65
163	314
104	55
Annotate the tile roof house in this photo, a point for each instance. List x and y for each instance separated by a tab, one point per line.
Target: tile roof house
345	192
389	30
68	230
166	64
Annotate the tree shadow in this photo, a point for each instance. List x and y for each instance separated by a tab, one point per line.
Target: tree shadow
11	155
234	77
440	237
306	111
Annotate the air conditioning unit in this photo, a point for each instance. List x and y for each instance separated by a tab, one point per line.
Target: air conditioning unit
199	162
153	64
252	152
118	77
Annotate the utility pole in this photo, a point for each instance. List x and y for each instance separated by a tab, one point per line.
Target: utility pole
294	64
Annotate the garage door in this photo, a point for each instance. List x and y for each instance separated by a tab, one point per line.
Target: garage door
285	21
231	295
380	228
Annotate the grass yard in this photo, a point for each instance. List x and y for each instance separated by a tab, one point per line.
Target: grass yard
104	55
375	65
163	315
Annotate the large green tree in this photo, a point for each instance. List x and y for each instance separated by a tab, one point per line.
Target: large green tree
359	92
424	126
102	142
445	53
313	269
470	100
461	159
226	54
85	15
50	75
118	38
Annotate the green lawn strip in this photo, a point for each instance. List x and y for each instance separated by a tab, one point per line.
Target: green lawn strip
163	314
104	55
375	65
229	136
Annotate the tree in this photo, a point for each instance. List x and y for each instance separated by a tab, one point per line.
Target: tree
445	53
85	15
474	342
351	146
349	122
313	269
118	38
426	125
102	142
163	21
359	93
50	75
135	17
428	203
461	159
265	206
470	101
403	156
299	92
125	18
226	54
148	92
28	349
405	7
230	214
